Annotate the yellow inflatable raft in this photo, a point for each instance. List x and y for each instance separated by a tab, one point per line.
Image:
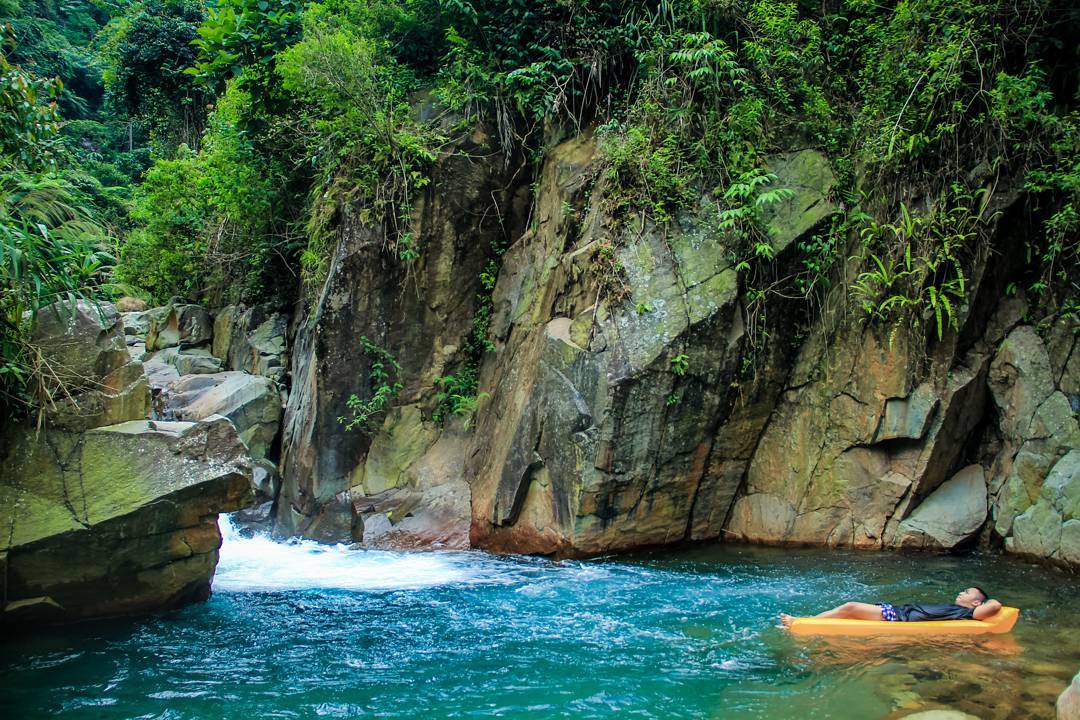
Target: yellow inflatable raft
1000	622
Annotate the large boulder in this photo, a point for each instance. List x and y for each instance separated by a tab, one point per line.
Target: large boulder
116	520
179	324
252	403
252	339
949	516
95	380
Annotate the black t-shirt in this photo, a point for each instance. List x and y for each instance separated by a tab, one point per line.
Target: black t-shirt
914	613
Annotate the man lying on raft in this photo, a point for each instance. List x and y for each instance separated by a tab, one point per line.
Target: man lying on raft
971	603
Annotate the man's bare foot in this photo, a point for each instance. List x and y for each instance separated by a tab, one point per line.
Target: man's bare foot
786	619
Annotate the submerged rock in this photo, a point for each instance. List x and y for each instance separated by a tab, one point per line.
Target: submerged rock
117	520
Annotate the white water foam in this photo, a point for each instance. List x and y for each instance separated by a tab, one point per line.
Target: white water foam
260	564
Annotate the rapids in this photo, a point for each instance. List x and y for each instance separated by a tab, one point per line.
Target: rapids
298	630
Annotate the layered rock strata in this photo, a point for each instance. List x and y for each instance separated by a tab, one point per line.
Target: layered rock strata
104	512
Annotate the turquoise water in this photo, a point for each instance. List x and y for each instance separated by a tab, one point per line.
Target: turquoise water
301	630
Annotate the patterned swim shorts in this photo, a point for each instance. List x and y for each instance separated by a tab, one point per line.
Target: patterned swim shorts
888	612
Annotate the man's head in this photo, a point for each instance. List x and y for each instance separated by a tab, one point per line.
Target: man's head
974	596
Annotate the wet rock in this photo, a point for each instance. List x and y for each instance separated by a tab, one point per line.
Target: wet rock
136	326
130	508
411	491
265	480
949	516
940	715
252	403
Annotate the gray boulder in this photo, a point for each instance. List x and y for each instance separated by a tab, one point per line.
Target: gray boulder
178	325
950	515
252	340
251	402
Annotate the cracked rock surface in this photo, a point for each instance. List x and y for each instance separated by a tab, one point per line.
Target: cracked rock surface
104	512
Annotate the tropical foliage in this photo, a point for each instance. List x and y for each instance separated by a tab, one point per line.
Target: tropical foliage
218	142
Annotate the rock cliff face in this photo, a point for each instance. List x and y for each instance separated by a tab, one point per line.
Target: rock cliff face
617	417
639	395
420	313
105	512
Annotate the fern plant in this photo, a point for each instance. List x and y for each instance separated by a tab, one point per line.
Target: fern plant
383	379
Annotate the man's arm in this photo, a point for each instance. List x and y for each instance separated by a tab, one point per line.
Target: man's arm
987	609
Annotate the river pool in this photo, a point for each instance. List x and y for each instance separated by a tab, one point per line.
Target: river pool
299	630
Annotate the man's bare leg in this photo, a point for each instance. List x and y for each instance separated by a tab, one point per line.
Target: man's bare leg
854	611
850	610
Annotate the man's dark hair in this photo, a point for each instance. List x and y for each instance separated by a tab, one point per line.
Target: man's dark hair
986	595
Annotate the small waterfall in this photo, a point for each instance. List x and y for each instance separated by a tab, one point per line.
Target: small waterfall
261	564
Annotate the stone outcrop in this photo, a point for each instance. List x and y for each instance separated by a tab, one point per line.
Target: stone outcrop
117	520
645	390
104	512
419	312
252	403
1050	528
253	340
616	417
